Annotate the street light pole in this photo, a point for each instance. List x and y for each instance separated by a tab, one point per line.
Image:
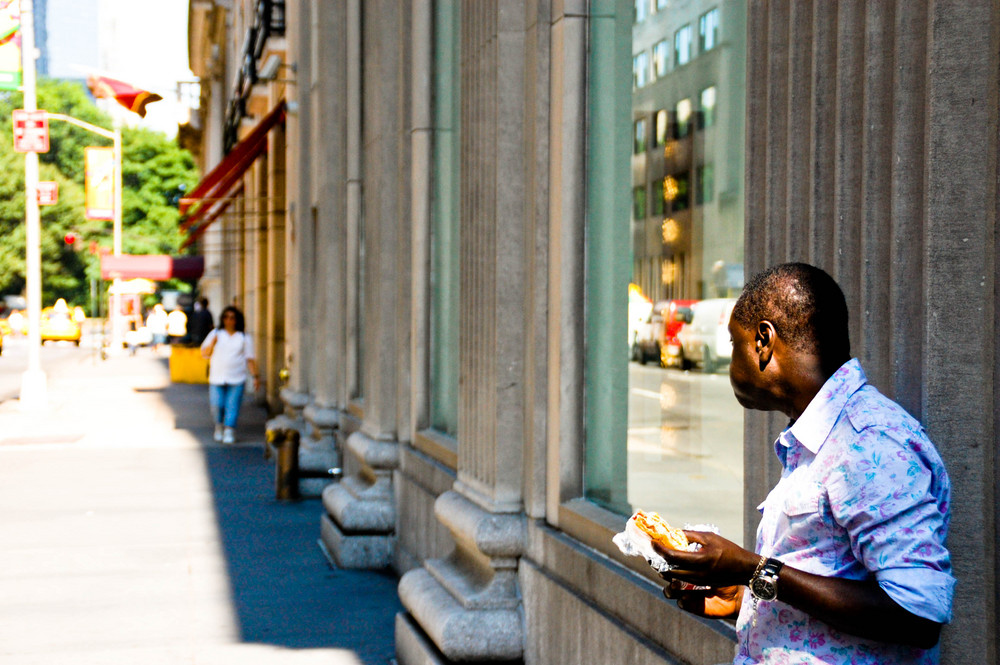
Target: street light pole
117	334
33	383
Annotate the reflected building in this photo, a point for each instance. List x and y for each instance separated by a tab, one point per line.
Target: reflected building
688	74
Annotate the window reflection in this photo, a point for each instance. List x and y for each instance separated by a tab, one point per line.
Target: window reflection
682	45
683	451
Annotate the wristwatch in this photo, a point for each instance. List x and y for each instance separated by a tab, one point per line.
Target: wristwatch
764	582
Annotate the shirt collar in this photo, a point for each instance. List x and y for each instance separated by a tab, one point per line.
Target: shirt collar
815	424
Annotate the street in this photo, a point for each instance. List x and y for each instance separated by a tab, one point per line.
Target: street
685	444
129	536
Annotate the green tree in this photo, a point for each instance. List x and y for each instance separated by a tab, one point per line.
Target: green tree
155	172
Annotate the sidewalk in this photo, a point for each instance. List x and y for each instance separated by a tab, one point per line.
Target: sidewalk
128	536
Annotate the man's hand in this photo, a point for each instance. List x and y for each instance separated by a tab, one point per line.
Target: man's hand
721	603
858	607
719	563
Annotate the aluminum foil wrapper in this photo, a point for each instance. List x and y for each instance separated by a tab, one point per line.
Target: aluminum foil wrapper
633	541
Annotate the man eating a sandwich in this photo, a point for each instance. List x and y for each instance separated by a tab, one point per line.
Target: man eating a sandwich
850	563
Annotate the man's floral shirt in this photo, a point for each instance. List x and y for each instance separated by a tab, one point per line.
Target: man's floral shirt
863	495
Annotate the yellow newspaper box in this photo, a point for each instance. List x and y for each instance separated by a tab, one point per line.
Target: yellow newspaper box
187	365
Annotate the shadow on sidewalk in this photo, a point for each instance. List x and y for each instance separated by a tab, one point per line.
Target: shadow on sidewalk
284	591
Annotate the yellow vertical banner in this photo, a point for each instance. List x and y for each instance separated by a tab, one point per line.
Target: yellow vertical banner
100	183
10	44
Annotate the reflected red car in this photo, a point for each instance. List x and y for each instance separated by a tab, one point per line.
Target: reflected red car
659	331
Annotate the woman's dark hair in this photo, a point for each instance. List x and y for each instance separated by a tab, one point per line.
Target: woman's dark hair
240	322
805	305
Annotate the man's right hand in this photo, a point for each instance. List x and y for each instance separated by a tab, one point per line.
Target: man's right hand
721	603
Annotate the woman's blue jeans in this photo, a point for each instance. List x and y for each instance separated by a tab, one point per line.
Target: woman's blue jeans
225	401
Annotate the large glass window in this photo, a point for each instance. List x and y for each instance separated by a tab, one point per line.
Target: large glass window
663	430
444	221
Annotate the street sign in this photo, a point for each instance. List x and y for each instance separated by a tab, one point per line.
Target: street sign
31	131
48	193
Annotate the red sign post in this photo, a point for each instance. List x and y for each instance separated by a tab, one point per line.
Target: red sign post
31	131
48	193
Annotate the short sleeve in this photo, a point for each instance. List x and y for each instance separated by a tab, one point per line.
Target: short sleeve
248	347
208	340
891	494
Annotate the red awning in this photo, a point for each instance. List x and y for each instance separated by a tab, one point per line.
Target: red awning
215	190
196	231
157	267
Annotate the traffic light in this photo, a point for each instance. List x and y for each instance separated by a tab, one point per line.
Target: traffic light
70	238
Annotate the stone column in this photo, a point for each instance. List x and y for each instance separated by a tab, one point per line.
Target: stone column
358	526
468	603
878	162
325	24
299	238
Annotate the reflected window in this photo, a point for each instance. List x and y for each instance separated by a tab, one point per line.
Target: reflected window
682	45
708	31
640	70
706	113
663	429
684	111
677	191
662	127
641	10
639	202
661	51
658	198
639	144
705	184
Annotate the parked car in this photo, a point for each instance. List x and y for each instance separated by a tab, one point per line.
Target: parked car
704	336
659	329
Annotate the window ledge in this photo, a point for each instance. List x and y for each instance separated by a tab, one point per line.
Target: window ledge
438	446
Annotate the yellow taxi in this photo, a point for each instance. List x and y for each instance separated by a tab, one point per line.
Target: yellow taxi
57	325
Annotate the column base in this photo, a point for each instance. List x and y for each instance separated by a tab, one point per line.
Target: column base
413	647
354	550
459	633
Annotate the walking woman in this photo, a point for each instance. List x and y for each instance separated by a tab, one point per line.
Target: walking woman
231	362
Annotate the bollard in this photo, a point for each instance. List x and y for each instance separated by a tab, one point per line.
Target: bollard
287	473
287	467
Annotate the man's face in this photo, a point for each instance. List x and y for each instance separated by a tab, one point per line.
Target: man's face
744	370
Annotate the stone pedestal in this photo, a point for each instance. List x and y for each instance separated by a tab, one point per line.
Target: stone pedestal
468	603
318	450
360	514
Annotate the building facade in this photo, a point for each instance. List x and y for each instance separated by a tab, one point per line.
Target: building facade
434	212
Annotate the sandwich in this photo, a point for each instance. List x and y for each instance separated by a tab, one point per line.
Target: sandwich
659	531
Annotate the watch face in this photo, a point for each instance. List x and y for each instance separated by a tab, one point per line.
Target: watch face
763	588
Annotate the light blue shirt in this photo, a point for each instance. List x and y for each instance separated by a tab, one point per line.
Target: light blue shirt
863	495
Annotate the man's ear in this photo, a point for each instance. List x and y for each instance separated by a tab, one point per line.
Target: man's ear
764	340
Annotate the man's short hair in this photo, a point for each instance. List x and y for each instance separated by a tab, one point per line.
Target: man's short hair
805	305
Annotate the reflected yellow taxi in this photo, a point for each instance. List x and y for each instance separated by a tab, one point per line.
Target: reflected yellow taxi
57	325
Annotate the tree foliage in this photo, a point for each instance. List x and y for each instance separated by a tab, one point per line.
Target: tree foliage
155	172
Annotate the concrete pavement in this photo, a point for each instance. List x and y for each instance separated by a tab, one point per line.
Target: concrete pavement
128	536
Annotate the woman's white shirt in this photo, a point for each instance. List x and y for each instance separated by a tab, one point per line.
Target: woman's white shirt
228	364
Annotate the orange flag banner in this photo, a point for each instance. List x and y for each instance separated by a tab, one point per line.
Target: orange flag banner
130	97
